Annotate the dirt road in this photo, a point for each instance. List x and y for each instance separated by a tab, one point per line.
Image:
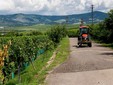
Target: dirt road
85	66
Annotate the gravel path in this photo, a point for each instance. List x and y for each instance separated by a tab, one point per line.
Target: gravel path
84	64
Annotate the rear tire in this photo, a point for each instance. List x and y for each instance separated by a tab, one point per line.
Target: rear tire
90	44
79	44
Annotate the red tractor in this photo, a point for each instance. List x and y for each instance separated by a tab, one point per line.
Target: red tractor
84	36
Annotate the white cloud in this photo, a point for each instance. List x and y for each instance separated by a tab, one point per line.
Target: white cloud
53	7
6	5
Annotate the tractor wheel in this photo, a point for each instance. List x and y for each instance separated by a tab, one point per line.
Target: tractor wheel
90	44
80	45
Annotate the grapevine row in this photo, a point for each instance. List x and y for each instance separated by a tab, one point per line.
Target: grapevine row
23	50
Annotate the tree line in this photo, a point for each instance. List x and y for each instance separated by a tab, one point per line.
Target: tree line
104	30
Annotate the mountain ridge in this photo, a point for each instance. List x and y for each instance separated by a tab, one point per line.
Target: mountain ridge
21	19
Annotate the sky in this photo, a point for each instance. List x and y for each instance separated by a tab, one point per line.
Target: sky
53	7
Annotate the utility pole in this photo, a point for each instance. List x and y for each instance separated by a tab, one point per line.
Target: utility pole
66	21
92	7
67	18
81	22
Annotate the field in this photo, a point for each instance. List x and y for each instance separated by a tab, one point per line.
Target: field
21	50
38	27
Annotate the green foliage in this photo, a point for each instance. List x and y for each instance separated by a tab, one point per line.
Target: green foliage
38	27
33	77
34	33
11	33
57	33
104	30
100	33
24	50
73	32
17	33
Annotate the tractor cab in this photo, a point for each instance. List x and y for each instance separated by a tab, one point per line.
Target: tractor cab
84	36
84	30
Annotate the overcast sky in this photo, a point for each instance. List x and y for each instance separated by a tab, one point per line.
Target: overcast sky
53	7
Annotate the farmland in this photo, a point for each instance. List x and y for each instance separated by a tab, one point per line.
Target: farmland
39	27
23	49
31	47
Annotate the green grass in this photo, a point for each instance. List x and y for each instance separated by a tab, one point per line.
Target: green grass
108	45
62	54
35	77
72	26
39	27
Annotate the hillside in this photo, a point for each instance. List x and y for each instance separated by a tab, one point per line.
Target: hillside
31	19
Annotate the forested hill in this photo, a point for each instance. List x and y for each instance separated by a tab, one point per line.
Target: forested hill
31	19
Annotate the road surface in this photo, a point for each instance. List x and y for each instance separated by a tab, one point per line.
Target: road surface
85	66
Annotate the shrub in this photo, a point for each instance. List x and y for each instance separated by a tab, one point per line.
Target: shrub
34	33
104	30
57	33
73	33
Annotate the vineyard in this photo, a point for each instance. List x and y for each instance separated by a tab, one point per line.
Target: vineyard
22	51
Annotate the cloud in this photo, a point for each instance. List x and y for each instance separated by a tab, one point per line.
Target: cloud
53	7
6	6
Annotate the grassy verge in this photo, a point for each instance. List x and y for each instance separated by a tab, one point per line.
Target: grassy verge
62	53
110	45
36	77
